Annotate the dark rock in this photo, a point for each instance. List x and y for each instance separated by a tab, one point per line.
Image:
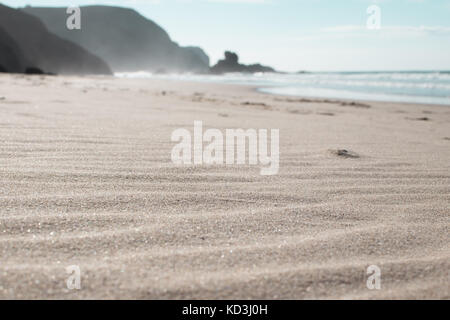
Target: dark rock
125	39
345	153
231	64
35	46
231	57
33	70
354	104
419	119
249	103
326	114
12	58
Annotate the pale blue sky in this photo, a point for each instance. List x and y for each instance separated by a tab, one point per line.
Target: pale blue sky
294	35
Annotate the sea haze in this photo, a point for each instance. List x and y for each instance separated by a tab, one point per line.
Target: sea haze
431	87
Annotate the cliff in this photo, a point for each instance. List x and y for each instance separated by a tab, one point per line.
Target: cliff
31	41
125	39
12	58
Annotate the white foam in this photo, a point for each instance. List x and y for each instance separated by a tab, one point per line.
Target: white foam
418	87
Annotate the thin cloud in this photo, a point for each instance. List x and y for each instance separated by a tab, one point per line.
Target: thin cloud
354	31
240	1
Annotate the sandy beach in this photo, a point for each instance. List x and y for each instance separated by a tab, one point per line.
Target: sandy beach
87	180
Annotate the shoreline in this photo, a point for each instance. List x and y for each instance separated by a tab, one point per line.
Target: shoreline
317	98
339	94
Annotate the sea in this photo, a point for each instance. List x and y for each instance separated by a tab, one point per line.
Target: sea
427	87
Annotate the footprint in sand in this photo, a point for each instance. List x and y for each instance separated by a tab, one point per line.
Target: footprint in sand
326	114
248	103
355	104
257	104
297	111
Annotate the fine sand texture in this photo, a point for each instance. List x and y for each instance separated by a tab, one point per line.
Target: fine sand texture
86	179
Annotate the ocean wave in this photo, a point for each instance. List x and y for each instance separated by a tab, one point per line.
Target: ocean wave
408	86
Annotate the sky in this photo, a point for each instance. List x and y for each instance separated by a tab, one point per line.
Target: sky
296	35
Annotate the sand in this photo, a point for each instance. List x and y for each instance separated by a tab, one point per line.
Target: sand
86	179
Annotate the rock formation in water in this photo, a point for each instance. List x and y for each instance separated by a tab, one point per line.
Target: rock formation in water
231	64
125	39
26	42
